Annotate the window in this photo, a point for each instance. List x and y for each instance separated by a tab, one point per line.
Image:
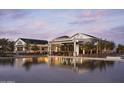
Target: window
19	43
19	48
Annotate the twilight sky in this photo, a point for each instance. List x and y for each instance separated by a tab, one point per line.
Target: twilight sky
49	24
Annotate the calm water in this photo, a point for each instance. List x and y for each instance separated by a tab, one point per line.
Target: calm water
60	70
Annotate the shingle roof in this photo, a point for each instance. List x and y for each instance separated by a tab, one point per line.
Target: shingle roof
34	41
62	37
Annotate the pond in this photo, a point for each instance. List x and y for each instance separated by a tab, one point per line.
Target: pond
60	70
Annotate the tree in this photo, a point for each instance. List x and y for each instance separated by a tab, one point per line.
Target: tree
109	46
103	46
6	46
120	48
10	46
88	47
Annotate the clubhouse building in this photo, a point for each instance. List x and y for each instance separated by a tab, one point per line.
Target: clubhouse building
23	45
60	46
70	45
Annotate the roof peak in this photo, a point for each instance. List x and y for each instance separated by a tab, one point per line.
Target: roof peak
83	34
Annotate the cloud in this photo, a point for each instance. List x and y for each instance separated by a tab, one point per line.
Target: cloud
12	13
49	24
118	33
34	24
80	22
114	34
94	14
12	32
31	28
118	30
88	17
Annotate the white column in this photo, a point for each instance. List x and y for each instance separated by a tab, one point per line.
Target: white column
40	49
74	53
56	49
24	49
49	48
83	51
15	49
76	49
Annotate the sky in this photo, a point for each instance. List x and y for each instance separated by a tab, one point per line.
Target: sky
47	24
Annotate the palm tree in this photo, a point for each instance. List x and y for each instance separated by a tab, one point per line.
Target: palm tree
6	46
99	46
88	47
10	46
110	46
120	48
103	46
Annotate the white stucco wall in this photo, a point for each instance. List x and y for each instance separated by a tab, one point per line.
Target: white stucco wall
19	40
22	43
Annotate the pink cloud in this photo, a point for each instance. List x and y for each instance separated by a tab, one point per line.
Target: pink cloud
92	15
88	16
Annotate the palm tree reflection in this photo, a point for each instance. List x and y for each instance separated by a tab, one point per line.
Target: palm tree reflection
7	62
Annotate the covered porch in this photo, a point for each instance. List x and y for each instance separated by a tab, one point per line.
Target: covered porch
69	46
72	48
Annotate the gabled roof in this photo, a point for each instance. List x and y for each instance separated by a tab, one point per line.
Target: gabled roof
66	37
83	34
34	41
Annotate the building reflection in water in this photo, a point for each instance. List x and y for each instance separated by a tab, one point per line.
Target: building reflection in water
25	62
28	62
79	65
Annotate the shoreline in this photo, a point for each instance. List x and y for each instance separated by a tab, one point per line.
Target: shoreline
23	56
108	58
92	58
